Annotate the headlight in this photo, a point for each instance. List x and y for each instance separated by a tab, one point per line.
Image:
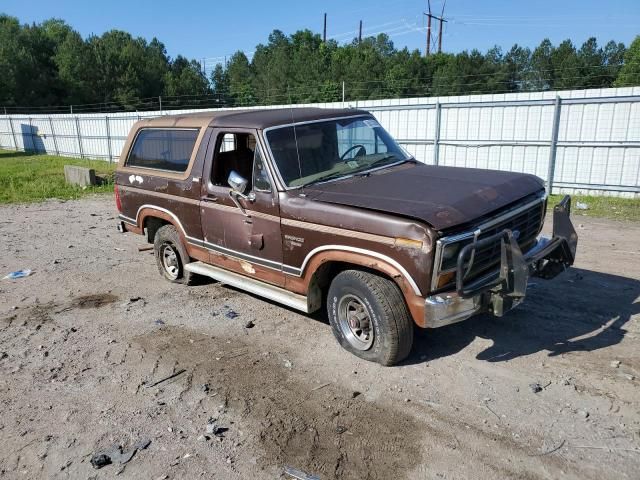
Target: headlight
451	251
450	255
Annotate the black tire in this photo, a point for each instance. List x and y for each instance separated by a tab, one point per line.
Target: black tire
167	237
388	317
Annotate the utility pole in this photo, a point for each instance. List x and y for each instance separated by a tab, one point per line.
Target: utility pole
360	33
441	20
440	35
428	33
324	31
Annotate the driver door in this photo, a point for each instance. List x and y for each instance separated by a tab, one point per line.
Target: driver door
245	236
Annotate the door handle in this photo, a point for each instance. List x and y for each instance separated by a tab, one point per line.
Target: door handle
209	199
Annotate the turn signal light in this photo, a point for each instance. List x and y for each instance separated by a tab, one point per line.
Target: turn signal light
407	243
445	279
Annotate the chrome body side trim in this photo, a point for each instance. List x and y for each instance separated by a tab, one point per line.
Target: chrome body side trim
318	227
362	251
288	269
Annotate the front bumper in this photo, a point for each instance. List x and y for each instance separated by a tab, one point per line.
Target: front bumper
505	288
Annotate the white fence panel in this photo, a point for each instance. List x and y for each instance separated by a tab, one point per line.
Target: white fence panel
597	149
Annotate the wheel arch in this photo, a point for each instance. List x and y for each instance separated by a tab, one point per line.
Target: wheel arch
152	218
321	267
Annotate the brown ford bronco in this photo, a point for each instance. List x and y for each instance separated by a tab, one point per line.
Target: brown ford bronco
310	206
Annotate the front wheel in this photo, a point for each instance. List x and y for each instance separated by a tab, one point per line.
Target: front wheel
369	317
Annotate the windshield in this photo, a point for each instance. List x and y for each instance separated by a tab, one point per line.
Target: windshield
319	151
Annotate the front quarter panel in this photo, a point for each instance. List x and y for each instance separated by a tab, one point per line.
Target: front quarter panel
311	228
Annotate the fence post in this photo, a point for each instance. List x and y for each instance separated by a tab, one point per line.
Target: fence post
343	92
33	144
79	137
13	134
53	135
436	135
106	120
553	147
160	102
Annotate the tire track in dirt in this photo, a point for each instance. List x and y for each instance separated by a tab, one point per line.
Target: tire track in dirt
325	432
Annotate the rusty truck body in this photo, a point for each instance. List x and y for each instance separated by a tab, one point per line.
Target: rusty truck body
316	207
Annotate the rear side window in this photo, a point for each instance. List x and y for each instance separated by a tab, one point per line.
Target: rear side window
163	149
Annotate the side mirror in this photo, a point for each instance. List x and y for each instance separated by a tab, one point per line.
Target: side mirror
238	186
237	182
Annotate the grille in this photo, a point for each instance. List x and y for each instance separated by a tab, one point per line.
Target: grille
528	223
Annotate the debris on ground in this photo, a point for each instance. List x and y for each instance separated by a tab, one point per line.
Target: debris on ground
615	363
249	324
159	322
117	454
145	248
205	387
288	364
18	274
320	386
100	460
232	314
299	474
535	387
172	376
214	429
582	206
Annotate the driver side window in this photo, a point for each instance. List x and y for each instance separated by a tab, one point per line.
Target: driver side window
239	152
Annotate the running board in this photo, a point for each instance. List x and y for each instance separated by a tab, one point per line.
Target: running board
271	292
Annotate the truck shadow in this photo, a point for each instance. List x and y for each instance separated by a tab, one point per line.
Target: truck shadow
580	310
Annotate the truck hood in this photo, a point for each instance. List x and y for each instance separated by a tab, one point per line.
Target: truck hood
443	197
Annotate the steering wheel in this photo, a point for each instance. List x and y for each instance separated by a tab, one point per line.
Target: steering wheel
359	154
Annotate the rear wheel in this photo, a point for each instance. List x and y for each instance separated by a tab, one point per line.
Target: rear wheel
369	317
171	255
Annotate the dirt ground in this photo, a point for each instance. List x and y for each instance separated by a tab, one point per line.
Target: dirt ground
85	339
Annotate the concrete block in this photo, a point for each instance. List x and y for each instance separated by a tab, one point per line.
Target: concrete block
81	176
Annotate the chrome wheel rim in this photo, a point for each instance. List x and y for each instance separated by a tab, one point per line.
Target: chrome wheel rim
354	319
170	261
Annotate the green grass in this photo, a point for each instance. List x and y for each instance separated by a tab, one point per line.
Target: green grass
33	178
607	207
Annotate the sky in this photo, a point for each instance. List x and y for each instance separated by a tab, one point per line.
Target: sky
211	30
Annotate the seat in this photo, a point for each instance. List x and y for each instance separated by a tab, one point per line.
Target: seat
240	160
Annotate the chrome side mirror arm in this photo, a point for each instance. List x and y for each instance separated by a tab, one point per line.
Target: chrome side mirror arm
249	198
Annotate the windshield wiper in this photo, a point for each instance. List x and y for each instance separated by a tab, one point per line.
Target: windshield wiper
323	178
355	173
380	161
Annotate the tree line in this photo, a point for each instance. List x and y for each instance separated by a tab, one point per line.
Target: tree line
48	65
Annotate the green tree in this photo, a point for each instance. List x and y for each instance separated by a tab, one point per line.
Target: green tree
220	86
541	75
629	75
185	78
11	59
240	80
